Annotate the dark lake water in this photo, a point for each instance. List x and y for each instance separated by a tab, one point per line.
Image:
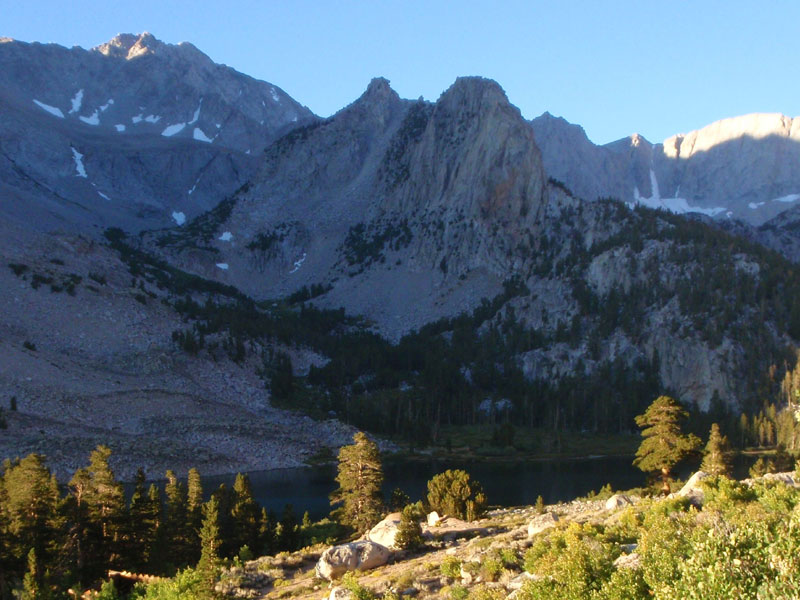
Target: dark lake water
505	483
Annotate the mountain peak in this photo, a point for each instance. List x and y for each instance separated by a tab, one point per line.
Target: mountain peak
474	93
128	46
379	90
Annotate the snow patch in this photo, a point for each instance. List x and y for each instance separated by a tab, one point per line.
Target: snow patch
196	113
105	106
294	119
298	263
787	199
755	205
218	125
171	130
120	127
152	118
102	195
223	266
196	181
179	217
78	157
93	119
137	119
77	100
676	205
200	136
226	237
56	112
274	94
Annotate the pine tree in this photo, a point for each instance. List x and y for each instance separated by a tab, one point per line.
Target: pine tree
454	493
266	532
105	505
360	476
409	533
194	508
136	534
176	521
153	526
29	504
227	525
33	588
288	530
663	445
209	563
716	457
245	513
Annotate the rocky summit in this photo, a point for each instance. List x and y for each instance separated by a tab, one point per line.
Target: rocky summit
135	132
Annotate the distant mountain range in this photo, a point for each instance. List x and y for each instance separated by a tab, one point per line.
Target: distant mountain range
134	133
745	168
521	261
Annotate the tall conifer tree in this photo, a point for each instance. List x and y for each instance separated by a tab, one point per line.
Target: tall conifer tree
716	457
245	513
209	563
663	444
360	476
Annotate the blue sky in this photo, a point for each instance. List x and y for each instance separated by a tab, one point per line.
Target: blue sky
614	67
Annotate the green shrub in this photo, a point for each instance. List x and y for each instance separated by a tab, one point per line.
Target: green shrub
451	567
398	500
625	584
575	561
454	493
409	533
186	585
776	497
723	493
482	592
458	592
510	558
108	591
491	568
359	592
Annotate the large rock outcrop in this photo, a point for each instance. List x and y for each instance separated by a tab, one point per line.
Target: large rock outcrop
355	556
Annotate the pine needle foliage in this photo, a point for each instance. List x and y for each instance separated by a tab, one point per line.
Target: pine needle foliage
360	476
716	457
663	445
454	493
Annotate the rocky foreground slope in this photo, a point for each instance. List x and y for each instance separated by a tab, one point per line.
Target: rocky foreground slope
86	352
715	539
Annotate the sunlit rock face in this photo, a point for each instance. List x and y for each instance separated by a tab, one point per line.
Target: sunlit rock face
745	167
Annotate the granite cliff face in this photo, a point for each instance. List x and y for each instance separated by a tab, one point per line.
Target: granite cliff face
406	212
443	197
134	133
745	167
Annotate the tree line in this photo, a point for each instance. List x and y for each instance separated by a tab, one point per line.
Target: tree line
75	533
